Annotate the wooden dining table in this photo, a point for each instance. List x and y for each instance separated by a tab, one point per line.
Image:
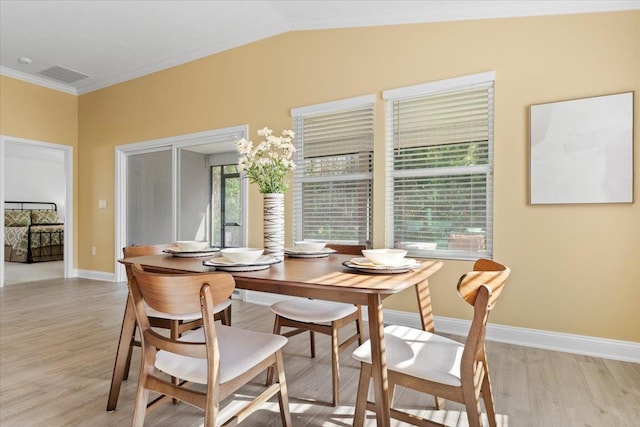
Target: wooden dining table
319	278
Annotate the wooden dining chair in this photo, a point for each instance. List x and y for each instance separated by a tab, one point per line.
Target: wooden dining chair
324	317
175	324
221	357
437	365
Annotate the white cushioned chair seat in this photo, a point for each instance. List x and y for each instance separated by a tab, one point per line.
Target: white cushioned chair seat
239	349
151	312
312	311
418	353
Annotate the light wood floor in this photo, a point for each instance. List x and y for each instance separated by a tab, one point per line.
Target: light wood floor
58	340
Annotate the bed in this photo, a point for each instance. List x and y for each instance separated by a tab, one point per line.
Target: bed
32	232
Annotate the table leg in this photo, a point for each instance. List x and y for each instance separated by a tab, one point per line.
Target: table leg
424	305
119	367
379	362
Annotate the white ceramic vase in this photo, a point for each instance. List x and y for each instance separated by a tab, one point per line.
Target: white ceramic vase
273	217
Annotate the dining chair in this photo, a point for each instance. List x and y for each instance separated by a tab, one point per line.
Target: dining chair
175	324
221	357
437	365
324	317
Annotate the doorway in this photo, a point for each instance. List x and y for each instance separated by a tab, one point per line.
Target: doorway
164	189
41	152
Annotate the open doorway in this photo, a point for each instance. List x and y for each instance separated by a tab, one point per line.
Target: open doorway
37	171
165	189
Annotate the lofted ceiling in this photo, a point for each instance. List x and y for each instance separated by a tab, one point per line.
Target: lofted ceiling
81	46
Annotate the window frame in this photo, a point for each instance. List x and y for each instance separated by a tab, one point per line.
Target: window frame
332	107
423	90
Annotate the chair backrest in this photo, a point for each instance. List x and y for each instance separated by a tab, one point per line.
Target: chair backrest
348	249
131	251
480	288
485	272
180	294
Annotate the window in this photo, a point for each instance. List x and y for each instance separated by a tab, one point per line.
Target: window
439	167
226	206
333	177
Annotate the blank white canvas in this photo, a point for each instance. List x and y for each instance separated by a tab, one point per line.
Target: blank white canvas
582	150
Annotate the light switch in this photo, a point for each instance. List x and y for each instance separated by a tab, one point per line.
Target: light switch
102	204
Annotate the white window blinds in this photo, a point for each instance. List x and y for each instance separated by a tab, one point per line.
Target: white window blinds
439	167
332	184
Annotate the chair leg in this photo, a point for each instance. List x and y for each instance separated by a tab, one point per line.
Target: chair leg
312	343
335	365
487	396
212	406
359	328
472	404
175	334
276	331
226	316
142	396
283	394
129	354
363	395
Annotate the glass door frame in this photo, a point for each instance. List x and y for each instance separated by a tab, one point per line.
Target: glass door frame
122	152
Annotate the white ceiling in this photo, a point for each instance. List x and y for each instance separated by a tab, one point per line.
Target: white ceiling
113	41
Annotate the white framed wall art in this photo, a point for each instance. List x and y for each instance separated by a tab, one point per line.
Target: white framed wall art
582	150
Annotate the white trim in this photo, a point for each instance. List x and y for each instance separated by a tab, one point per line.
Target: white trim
196	138
627	351
69	216
96	275
333	106
215	47
456	83
2	209
39	81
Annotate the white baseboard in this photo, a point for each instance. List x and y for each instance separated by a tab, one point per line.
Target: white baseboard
627	351
95	275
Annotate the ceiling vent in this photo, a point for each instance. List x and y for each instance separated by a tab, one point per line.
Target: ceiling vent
62	74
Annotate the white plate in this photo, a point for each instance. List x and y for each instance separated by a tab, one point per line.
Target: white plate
297	253
366	266
191	254
223	264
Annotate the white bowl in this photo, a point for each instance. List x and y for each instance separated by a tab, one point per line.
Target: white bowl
385	256
192	245
242	255
310	245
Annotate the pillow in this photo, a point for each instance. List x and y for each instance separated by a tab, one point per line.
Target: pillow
44	217
17	218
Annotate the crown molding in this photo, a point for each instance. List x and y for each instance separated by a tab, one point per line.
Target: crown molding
465	10
29	78
237	40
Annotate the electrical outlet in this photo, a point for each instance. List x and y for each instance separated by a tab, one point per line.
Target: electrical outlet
93	250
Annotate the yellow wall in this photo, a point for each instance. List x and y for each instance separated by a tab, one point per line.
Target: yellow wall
576	268
37	113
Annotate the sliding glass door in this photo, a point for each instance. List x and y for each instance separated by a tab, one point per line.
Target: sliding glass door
226	206
193	198
149	202
181	188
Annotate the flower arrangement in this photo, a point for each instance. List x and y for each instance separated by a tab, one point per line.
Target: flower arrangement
269	162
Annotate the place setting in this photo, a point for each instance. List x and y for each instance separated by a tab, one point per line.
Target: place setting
192	249
382	261
241	259
309	249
